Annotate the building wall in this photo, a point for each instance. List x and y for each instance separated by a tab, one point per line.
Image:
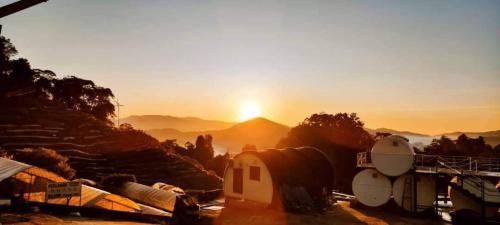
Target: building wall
258	191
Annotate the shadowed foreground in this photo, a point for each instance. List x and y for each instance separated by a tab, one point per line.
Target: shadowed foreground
339	215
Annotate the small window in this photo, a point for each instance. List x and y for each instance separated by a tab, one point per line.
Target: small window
255	173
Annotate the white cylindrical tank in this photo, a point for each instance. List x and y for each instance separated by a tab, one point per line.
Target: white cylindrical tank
462	201
426	192
371	188
392	155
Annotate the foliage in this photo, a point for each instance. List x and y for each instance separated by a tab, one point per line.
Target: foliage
85	96
218	164
203	150
17	78
340	136
171	146
116	179
463	146
323	129
127	138
249	147
45	158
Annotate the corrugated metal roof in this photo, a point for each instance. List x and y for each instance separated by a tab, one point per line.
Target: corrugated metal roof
34	189
147	195
9	168
153	211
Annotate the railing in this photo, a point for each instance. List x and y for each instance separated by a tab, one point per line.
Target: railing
363	158
458	163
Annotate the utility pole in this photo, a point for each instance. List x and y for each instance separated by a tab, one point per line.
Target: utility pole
118	112
16	7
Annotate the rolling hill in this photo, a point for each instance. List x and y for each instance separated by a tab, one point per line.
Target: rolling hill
415	138
148	122
261	132
94	148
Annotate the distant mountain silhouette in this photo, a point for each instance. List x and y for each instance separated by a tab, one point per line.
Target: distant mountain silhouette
491	137
261	132
453	135
148	122
402	133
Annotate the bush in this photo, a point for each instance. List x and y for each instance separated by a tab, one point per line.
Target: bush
117	179
45	158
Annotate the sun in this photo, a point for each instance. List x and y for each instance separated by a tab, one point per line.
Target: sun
249	110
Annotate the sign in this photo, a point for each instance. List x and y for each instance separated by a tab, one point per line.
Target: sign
64	189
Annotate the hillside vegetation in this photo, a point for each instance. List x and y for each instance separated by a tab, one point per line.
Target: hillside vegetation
72	116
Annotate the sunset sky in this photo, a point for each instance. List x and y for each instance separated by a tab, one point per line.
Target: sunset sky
424	66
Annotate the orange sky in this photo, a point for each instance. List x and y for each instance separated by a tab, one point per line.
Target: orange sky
424	66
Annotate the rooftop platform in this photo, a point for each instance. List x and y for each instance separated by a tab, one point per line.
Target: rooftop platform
453	165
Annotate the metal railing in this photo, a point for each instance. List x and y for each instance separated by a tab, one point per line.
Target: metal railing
458	163
363	158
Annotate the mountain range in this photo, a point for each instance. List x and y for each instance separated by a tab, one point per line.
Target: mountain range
261	132
264	133
149	122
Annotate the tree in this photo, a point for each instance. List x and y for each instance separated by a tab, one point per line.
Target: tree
83	95
218	164
126	126
340	137
18	78
171	146
203	150
322	129
463	146
249	147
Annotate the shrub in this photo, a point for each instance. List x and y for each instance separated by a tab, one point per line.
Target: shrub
45	158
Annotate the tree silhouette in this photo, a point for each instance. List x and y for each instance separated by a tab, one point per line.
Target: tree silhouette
323	129
340	137
203	150
218	164
44	158
85	96
249	147
463	146
17	78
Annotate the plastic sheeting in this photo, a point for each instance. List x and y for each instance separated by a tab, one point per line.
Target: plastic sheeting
147	195
9	168
168	187
32	182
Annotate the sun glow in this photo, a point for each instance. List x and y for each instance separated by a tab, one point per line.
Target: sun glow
249	110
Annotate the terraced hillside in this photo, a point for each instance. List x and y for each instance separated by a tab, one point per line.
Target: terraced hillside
86	142
169	168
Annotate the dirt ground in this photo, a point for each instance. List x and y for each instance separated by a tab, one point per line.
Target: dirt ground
340	214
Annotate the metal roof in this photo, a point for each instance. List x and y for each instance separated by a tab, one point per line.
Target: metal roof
147	195
9	168
34	180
